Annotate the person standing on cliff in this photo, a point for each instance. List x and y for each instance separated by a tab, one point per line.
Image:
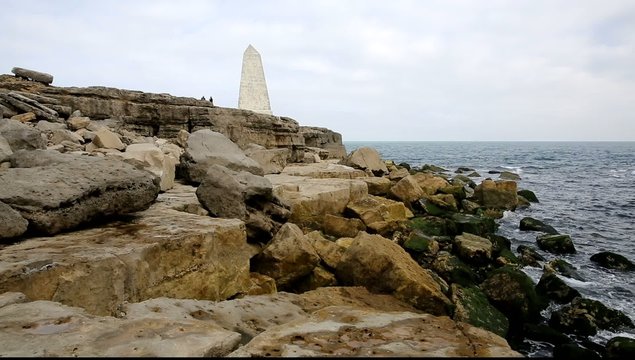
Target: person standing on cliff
211	100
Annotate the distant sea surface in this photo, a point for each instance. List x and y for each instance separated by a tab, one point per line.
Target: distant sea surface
585	189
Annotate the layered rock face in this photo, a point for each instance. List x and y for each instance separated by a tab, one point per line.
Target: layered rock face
164	115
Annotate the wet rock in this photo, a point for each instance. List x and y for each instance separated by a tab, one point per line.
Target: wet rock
55	192
529	195
611	260
384	267
529	256
542	332
433	226
288	256
20	136
453	270
586	317
531	224
473	308
620	347
552	287
513	293
563	268
557	244
574	352
508	175
366	158
478	225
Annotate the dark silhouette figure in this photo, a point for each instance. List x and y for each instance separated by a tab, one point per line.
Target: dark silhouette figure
202	97
211	100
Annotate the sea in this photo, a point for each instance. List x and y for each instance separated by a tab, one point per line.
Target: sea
585	189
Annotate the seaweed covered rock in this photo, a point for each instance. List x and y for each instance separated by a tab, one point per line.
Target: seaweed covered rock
529	256
477	225
453	270
529	195
620	347
531	224
563	268
612	260
434	226
556	244
552	287
473	308
586	317
514	294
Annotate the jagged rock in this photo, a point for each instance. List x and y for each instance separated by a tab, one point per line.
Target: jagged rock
26	104
529	256
339	226
310	199
366	158
330	252
325	139
78	122
206	148
288	256
25	117
407	190
55	192
377	185
384	267
107	139
352	331
453	270
12	224
563	268
160	164
586	317
398	174
60	135
41	77
323	170
499	194
429	183
473	308
557	244
21	136
379	214
611	260
45	328
473	249
272	161
531	224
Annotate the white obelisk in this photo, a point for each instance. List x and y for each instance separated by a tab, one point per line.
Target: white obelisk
253	87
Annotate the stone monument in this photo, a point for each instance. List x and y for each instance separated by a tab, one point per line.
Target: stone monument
253	88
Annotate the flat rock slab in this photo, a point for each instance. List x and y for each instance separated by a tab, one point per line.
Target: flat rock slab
310	199
325	169
158	252
56	192
45	328
352	331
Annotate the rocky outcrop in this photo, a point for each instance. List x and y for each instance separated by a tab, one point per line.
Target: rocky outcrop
324	139
366	158
55	192
158	252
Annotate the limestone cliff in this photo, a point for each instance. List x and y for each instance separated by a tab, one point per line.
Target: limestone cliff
163	115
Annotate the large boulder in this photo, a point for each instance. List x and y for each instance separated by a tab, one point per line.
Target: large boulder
288	256
38	76
430	183
554	288
12	224
407	190
272	161
379	214
500	194
384	267
531	224
586	317
473	248
207	147
20	136
557	244
311	199
55	192
366	158
472	307
612	260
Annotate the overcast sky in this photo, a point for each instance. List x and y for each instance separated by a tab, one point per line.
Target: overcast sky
370	70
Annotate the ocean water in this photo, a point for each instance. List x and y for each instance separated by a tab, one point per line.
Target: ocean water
585	189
